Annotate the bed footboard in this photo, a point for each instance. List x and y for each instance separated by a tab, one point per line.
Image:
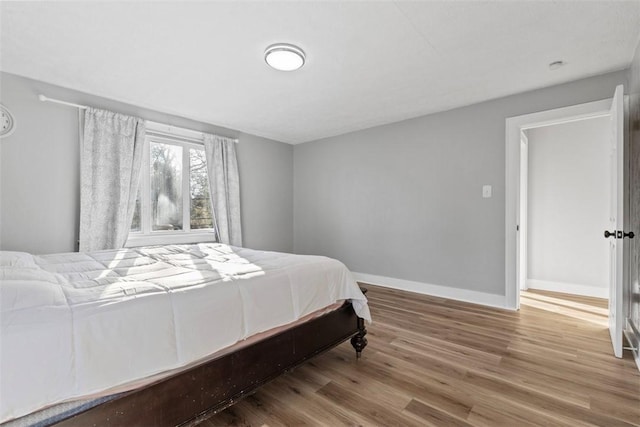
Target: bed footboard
206	389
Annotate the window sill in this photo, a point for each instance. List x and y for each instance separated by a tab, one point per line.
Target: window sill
168	238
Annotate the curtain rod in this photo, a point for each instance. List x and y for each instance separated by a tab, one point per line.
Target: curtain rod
43	98
169	128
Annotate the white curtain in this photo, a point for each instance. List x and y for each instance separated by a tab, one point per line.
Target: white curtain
111	158
224	185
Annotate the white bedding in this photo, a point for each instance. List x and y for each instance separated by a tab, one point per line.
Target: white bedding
77	324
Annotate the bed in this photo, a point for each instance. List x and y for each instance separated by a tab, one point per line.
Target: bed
163	335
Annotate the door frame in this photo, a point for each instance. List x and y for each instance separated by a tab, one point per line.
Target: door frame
514	262
523	221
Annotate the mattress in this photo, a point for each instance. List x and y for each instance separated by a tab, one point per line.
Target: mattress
77	324
58	412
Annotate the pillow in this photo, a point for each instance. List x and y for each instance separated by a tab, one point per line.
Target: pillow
17	259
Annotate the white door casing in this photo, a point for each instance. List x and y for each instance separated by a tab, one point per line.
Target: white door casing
524	203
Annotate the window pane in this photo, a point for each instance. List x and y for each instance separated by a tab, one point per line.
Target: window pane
166	186
199	184
135	223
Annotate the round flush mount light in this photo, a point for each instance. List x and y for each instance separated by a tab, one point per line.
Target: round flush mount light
284	57
556	64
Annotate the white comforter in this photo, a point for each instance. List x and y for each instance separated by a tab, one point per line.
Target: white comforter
76	324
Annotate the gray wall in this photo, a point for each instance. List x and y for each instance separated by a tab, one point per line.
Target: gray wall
39	172
634	193
401	200
405	200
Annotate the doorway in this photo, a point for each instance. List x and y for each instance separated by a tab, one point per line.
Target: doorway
515	202
564	207
515	252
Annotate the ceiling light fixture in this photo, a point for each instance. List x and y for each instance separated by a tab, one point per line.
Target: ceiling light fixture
284	57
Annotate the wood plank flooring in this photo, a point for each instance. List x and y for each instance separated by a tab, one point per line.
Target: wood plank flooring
438	362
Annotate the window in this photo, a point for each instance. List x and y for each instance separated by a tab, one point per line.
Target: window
173	204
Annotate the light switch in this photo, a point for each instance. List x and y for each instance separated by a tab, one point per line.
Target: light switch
486	191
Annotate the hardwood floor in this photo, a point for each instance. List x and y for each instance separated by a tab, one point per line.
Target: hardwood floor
432	361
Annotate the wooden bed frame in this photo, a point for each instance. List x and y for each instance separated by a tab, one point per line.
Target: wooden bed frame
203	390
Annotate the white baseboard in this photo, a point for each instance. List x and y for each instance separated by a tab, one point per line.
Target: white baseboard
568	288
458	294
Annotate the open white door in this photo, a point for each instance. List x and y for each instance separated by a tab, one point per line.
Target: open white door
615	232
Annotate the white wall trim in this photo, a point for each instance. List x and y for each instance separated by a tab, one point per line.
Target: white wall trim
514	125
569	288
466	295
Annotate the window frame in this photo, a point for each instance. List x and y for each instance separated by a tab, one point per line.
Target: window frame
186	139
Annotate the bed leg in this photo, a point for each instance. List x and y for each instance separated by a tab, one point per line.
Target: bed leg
358	341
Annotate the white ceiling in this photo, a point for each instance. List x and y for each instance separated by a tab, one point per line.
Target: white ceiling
368	63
